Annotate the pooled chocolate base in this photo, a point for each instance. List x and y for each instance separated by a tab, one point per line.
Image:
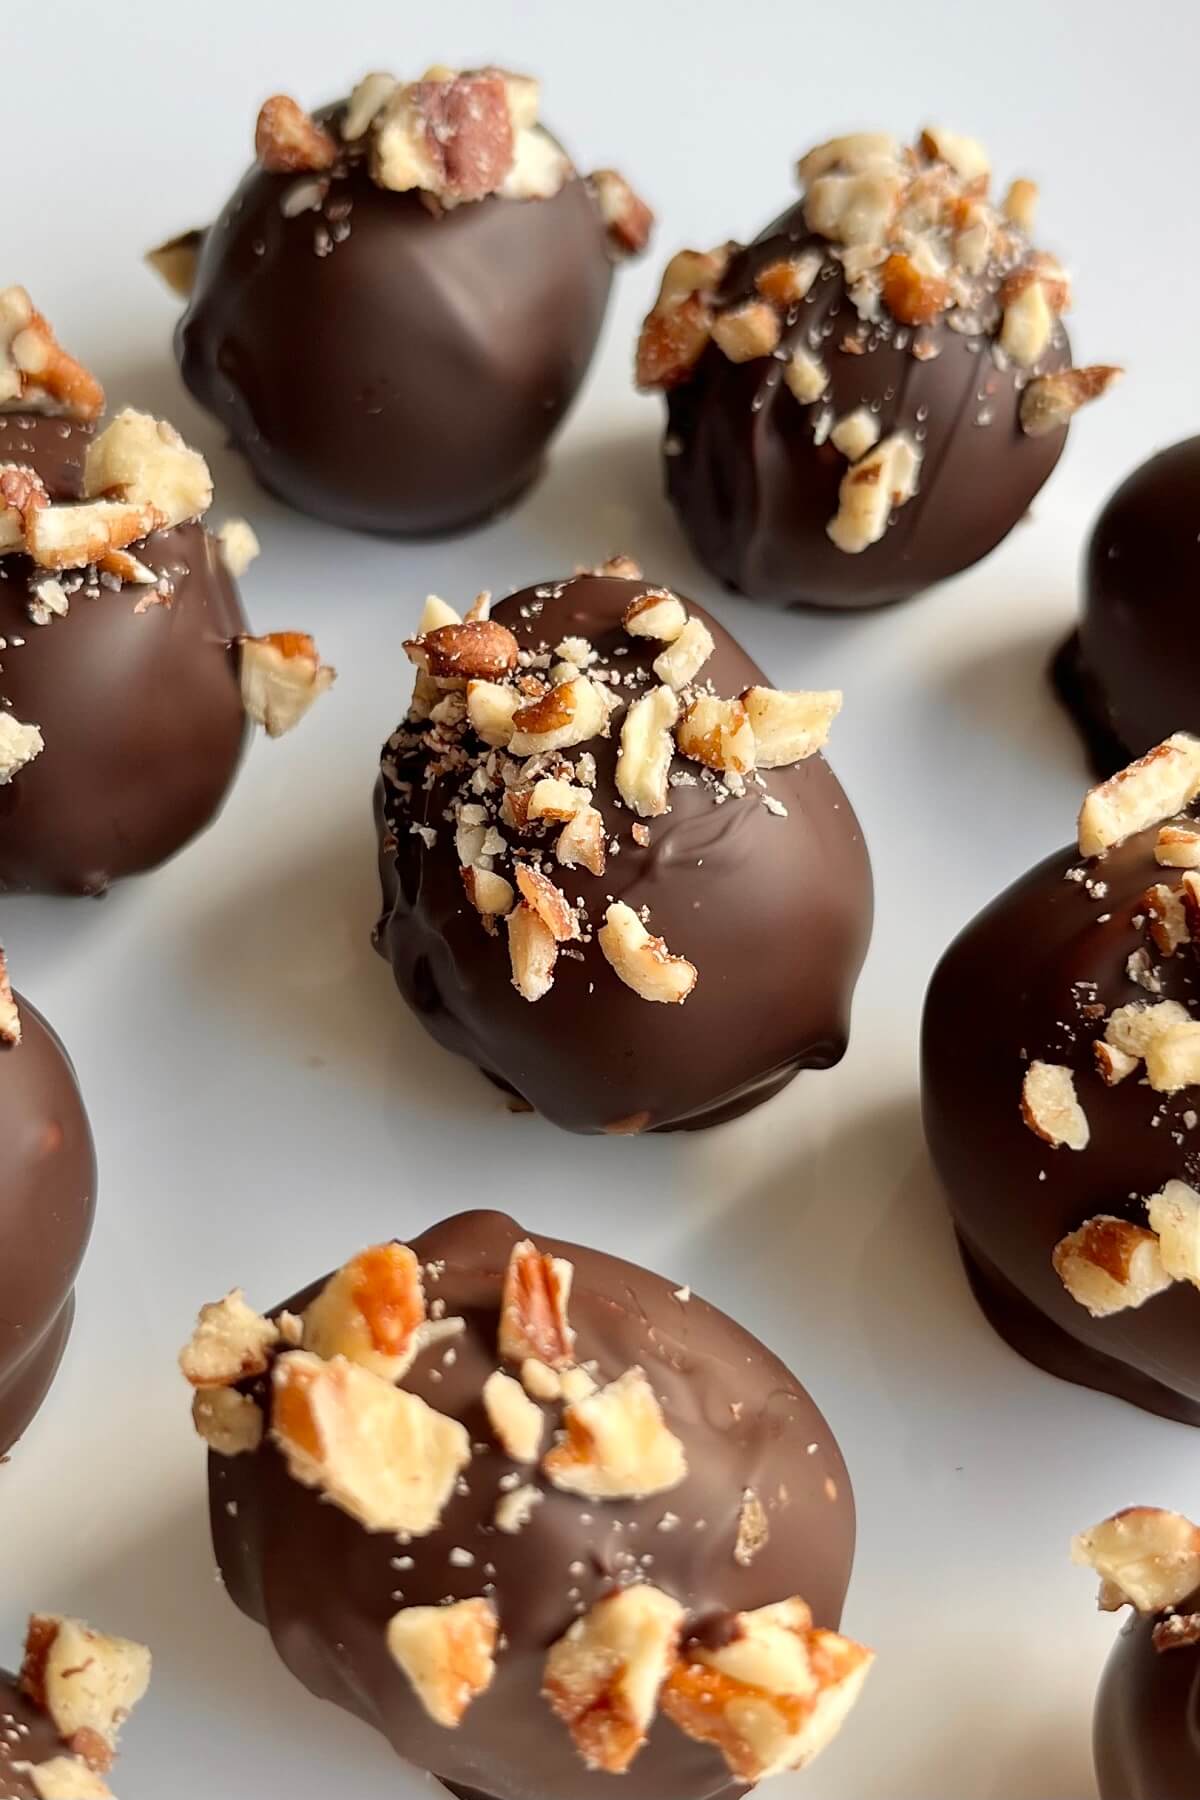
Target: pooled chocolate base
1146	1733
47	1197
1015	987
26	1736
138	701
325	1588
774	912
755	492
385	368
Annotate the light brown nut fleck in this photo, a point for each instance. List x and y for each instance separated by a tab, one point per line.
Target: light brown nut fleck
718	734
10	1013
70	536
557	800
1156	787
533	1308
145	462
490	709
19	744
1050	1106
22	493
476	650
854	208
672	341
1166	918
603	1678
287	140
379	1453
577	1384
86	1683
448	1654
549	903
370	1312
516	1508
789	280
230	1423
239	546
35	371
788	727
1146	1558
1174	1216
647	747
1134	1028
1109	1265
582	843
871	489
1178	847
753	1530
540	168
175	262
1051	402
806	376
627	219
1027	325
656	615
490	894
1019	205
532	952
66	1778
517	1424
282	675
452	136
231	1342
368	100
1113	1064
851	154
617	1445
746	331
773	1697
1173	1058
681	662
540	1381
642	961
569	714
966	157
912	294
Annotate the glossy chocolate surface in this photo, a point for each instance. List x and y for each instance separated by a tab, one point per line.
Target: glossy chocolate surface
325	1588
1131	674
47	1196
387	369
26	1736
141	711
775	913
1014	987
755	493
1147	1724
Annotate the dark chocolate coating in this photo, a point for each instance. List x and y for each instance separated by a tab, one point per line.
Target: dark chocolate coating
1146	1733
755	493
410	379
47	1197
141	712
1131	675
1003	994
26	1736
776	922
324	1587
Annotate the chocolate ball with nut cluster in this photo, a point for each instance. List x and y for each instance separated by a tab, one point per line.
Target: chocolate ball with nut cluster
128	682
61	1715
866	399
1062	1094
548	1522
618	875
397	306
1144	1734
1131	672
47	1198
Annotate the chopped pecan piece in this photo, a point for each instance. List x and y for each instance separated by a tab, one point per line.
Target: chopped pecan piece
1050	1106
370	1312
747	331
656	614
617	1444
231	1342
1146	1558
647	747
717	733
1109	1265
604	1676
475	650
627	218
870	491
35	370
682	660
567	715
1051	402
88	1684
533	1308
448	1654
288	141
230	1423
912	295
1156	787
643	961
1174	1216
533	952
789	727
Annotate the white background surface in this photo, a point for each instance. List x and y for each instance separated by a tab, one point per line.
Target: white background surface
263	1104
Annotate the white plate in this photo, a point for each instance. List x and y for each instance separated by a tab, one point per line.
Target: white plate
263	1103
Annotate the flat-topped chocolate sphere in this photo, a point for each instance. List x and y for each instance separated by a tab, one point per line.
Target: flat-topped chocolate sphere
529	1510
61	1716
617	874
867	399
1062	1094
394	311
1131	673
128	685
47	1197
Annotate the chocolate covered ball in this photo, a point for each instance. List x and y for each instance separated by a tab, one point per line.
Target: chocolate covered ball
1062	1094
866	399
617	874
1131	673
47	1197
394	311
528	1510
61	1716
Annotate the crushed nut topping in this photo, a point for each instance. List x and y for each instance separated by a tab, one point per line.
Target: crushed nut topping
647	749
754	1529
1151	790
230	1423
239	546
1109	1266
678	329
1146	1558
617	1444
604	1677
643	961
627	219
516	1422
231	1343
19	745
1051	402
36	373
287	140
282	675
371	1312
1050	1106
67	1778
448	1654
533	1309
871	490
144	462
1174	1216
86	1683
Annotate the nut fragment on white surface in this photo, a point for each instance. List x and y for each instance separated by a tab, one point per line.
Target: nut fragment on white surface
10	1012
1173	1058
532	952
1051	402
1175	1216
19	744
604	1676
229	1422
717	733
617	1444
856	433
774	1696
1050	1106
282	675
1109	1266
1146	1557
682	661
239	546
569	714
35	371
371	1312
379	1453
788	727
1156	787
86	1683
656	615
533	1308
448	1654
643	961
231	1342
871	490
517	1423
646	750
144	461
